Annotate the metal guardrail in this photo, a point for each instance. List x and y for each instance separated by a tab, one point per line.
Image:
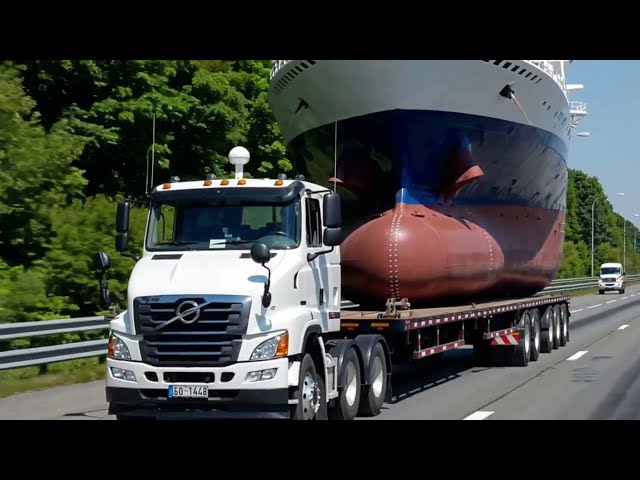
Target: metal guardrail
26	357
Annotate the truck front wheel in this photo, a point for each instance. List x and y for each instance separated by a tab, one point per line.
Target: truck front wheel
310	393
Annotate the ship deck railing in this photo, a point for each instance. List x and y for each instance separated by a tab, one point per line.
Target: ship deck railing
277	65
578	108
549	68
546	66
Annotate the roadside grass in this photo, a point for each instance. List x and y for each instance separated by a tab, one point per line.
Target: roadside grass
29	379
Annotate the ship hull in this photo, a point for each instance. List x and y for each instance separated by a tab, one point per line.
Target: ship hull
440	205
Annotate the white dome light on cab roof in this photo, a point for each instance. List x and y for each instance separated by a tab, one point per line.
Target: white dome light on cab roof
239	156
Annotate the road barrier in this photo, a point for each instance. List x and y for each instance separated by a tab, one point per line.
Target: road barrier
24	357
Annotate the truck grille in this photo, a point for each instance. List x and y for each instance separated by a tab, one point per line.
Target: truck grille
208	336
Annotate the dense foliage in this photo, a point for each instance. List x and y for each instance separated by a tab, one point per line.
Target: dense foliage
76	136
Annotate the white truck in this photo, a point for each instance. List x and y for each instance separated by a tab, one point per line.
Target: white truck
612	277
234	310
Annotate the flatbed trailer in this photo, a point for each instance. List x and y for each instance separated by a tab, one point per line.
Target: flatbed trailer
527	327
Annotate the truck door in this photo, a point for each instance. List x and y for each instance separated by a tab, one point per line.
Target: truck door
323	290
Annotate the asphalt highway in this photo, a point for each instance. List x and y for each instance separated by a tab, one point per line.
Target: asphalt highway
596	376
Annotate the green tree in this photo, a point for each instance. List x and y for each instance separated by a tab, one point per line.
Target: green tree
35	172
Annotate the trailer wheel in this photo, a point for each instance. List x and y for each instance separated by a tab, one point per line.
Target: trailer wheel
535	335
520	354
348	402
546	335
311	393
564	327
557	327
373	394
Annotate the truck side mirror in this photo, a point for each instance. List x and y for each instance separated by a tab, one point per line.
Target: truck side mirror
332	217
332	237
122	217
102	261
122	242
261	254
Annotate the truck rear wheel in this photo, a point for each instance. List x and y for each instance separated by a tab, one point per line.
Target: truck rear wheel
373	394
348	402
311	393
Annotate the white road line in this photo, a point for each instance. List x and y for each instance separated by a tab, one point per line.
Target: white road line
611	301
623	327
594	306
479	415
576	356
633	294
624	298
576	311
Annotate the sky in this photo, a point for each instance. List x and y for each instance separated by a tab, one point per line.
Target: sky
612	94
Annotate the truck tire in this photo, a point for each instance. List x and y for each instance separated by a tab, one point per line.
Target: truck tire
520	354
535	335
372	397
348	402
557	328
546	335
310	393
564	326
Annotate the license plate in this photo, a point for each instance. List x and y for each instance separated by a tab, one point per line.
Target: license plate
188	391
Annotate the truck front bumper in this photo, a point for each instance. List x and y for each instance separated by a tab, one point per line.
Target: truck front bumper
146	391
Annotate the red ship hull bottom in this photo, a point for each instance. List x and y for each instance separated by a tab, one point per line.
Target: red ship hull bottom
440	254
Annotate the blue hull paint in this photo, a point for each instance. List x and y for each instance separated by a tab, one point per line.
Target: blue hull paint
403	156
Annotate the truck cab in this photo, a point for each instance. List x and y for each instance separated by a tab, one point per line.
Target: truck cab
230	307
612	277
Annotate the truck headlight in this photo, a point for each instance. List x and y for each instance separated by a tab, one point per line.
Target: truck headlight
118	349
275	347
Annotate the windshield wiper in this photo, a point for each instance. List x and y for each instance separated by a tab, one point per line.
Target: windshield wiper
237	241
178	242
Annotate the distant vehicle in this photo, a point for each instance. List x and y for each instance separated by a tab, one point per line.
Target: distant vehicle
612	277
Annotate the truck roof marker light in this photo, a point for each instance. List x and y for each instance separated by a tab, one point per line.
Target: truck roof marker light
283	345
278	182
224	182
209	180
239	157
242	181
166	186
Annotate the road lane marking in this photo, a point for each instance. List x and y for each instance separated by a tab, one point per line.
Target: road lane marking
624	298
576	356
576	311
633	294
479	415
594	306
611	301
623	327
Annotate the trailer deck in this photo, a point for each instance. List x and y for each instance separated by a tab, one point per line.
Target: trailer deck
435	330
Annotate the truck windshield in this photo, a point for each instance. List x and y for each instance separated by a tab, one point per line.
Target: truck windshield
610	271
185	223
